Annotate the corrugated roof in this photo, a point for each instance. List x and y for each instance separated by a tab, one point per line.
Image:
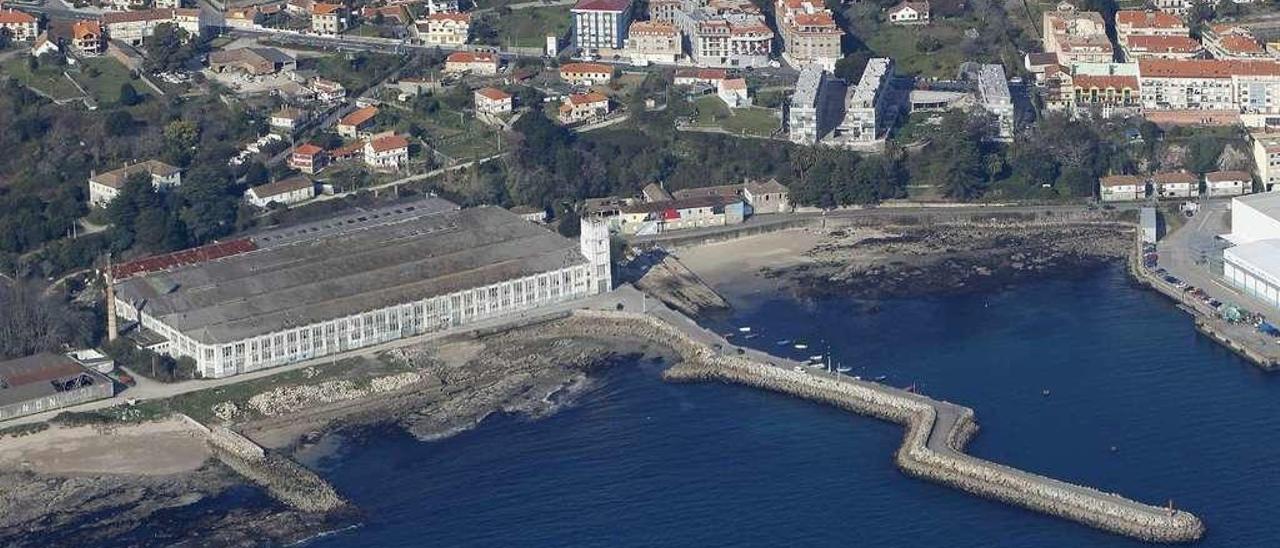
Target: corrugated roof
283	186
347	265
359	117
1223	176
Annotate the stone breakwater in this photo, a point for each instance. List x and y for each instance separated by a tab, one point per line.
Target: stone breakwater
284	479
936	432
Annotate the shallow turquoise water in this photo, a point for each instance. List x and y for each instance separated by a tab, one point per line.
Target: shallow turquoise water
636	462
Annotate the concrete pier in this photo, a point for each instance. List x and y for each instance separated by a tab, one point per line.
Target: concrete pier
936	431
285	480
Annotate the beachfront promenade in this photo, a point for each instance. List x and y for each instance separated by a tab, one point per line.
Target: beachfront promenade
936	431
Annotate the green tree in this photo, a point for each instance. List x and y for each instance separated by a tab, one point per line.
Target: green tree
850	67
570	225
180	140
165	48
211	200
1203	153
118	123
128	95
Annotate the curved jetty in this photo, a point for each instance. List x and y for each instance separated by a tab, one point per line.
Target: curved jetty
936	431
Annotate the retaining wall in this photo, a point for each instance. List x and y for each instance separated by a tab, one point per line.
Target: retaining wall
286	481
936	432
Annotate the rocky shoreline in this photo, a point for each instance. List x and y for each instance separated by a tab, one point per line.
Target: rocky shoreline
209	506
443	388
914	261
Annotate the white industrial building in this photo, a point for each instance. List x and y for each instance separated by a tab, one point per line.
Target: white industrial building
352	281
1253	265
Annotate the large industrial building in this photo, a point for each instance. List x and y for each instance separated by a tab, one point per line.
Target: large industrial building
352	281
1253	264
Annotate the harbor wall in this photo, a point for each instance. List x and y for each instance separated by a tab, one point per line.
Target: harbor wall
285	480
1205	319
936	432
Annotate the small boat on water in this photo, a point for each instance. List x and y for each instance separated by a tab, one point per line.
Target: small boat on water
752	336
800	346
844	369
1045	392
816	364
881	378
816	357
784	342
744	329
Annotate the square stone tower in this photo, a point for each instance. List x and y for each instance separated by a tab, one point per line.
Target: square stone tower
594	239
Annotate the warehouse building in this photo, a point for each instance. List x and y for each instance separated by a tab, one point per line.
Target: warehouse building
352	281
44	382
1253	265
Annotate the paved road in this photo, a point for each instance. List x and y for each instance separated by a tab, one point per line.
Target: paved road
409	179
1193	253
883	211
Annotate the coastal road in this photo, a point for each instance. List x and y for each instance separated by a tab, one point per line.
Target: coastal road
767	221
147	389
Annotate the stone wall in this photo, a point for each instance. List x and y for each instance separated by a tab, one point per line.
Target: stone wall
286	481
936	432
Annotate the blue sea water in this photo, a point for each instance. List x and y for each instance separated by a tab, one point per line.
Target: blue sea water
637	462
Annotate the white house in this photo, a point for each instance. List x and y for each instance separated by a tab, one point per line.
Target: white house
908	12
586	74
733	91
386	152
581	107
474	62
327	91
44	45
767	196
492	102
450	29
1227	183
1122	188
104	187
21	26
286	191
288	119
1177	184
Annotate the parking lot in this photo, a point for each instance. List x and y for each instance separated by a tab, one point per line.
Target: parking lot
1187	265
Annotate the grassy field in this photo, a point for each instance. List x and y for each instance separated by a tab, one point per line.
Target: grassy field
900	43
623	85
712	112
109	75
458	137
47	79
529	28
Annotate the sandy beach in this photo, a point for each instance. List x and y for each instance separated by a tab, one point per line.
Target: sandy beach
735	268
884	261
147	449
